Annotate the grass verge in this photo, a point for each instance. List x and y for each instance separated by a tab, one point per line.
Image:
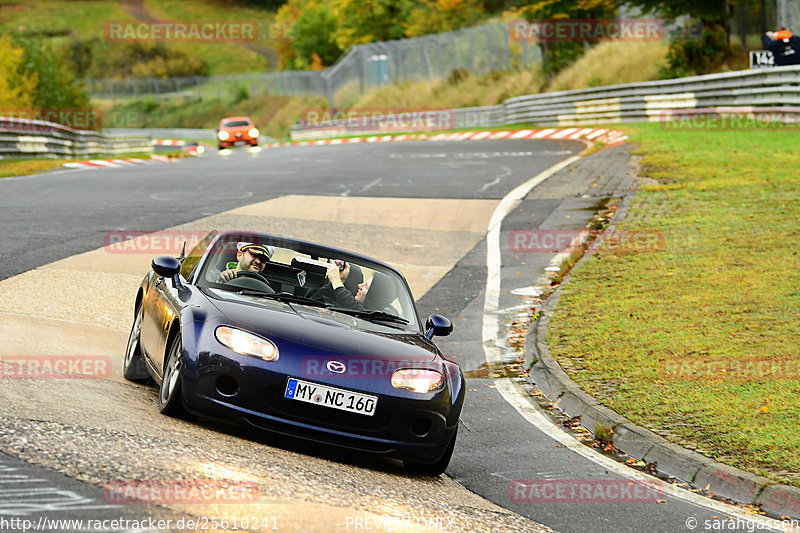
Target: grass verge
10	168
696	337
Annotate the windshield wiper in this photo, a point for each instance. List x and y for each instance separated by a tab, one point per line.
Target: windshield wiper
283	297
371	315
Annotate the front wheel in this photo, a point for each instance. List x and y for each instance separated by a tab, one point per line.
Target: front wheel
133	368
170	400
437	468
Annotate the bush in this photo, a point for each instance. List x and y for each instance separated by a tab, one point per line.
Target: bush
96	59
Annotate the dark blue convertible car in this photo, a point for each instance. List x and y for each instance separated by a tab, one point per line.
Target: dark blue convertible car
273	348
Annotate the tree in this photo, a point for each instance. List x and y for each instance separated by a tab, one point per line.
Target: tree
558	55
701	55
17	87
313	34
366	21
437	16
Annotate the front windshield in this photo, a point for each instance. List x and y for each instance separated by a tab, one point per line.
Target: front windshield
264	270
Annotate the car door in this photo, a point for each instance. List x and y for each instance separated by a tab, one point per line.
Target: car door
162	305
154	322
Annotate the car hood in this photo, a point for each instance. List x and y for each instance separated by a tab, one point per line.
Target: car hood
340	334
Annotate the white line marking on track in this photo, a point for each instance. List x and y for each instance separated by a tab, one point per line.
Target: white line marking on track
492	301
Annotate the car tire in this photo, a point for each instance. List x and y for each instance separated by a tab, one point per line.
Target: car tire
437	468
170	394
133	368
221	147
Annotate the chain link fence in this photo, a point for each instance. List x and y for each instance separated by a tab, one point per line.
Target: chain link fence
479	50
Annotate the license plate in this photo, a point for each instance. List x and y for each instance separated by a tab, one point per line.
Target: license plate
343	400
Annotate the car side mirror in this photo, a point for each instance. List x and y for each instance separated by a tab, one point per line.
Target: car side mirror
438	326
168	267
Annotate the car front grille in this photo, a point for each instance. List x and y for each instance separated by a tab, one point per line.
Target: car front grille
277	405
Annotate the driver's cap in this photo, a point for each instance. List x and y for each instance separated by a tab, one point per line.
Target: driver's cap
256	249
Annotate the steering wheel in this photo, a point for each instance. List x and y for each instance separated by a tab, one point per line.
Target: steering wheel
254	275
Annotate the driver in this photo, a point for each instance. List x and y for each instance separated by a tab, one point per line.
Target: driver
252	257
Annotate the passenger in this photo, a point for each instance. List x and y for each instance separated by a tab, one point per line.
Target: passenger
376	294
252	257
350	276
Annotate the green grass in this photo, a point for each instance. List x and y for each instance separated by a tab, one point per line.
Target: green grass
24	167
724	288
64	20
60	16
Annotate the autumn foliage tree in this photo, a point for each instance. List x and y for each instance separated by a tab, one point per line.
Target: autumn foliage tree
366	21
438	16
17	87
34	77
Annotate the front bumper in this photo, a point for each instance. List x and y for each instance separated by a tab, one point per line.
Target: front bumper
248	391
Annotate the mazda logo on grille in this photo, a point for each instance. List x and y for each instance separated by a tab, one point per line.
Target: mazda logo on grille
336	367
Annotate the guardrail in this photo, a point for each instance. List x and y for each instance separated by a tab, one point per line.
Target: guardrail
651	101
38	138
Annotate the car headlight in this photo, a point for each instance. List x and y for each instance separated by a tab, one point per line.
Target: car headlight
199	149
417	380
253	133
223	135
246	343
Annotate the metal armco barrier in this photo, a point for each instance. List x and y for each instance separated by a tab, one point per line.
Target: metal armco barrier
651	101
37	138
632	102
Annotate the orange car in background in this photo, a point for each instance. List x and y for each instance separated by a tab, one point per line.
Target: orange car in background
236	130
